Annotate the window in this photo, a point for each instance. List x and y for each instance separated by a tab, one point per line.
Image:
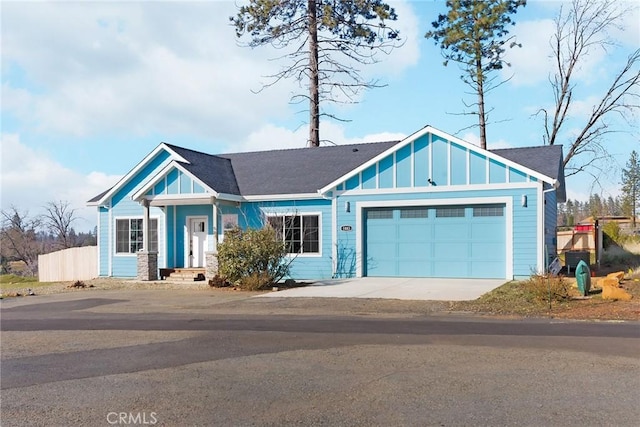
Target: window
129	235
380	214
414	213
494	210
301	233
450	212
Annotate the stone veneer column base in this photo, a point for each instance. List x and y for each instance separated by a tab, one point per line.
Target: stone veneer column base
211	262
147	265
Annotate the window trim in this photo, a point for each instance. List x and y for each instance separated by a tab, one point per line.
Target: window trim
320	239
129	218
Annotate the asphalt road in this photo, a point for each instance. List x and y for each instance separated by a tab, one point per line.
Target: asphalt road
109	359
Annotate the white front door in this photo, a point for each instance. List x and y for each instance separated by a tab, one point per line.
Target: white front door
197	241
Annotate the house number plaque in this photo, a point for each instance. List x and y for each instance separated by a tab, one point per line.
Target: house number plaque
346	228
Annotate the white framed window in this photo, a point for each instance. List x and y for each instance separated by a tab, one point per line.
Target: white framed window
301	233
129	235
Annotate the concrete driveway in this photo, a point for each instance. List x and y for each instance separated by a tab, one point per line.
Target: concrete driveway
394	288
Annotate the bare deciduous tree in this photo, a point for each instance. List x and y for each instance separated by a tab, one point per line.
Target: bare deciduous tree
18	239
58	218
582	28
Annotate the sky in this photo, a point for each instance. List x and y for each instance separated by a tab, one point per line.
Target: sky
90	88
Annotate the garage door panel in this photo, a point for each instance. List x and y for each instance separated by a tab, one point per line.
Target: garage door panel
445	241
445	230
452	268
414	269
415	250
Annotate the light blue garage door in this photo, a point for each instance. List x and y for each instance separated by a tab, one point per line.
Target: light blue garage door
443	241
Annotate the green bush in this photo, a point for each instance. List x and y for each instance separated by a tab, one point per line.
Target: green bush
541	286
252	258
612	234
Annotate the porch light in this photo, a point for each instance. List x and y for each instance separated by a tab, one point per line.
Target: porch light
347	206
524	200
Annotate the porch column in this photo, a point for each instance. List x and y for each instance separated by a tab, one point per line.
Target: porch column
211	256
145	225
147	261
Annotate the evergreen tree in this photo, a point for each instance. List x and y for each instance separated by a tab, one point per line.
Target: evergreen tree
321	31
473	33
631	186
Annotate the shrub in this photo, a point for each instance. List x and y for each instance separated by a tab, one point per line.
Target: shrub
218	282
252	258
612	234
539	286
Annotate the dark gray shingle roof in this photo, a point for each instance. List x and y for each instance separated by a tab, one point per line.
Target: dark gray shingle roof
215	171
306	170
545	159
302	170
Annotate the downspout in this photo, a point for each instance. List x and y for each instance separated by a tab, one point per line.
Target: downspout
554	187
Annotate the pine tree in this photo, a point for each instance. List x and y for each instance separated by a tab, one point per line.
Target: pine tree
473	33
631	186
321	31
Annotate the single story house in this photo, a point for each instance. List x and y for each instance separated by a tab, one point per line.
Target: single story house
430	205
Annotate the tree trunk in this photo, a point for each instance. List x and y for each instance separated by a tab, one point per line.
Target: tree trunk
314	96
481	115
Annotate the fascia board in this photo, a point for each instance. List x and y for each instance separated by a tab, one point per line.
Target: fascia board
137	168
444	135
138	195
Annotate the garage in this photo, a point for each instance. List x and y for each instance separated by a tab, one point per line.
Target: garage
457	241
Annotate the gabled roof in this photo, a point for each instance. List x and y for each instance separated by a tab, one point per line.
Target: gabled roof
301	170
546	159
215	171
310	171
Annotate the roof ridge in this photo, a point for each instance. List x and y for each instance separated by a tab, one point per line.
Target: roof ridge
306	148
194	151
529	146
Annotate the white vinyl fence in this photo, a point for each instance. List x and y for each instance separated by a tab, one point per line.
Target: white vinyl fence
68	265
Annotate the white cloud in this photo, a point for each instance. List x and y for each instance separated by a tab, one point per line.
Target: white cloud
274	137
30	179
474	139
532	63
140	67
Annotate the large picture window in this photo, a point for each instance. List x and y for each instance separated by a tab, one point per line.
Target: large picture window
129	235
301	233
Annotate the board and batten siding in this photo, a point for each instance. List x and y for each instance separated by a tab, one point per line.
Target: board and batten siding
125	265
434	169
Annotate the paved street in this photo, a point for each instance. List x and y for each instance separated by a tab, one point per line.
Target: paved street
108	358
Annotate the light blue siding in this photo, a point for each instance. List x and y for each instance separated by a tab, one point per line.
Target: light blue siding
303	266
403	167
421	162
103	218
550	222
353	182
185	184
440	166
517	176
477	168
369	178
458	165
172	182
497	172
125	265
385	172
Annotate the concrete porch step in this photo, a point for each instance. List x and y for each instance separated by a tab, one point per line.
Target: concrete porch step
181	274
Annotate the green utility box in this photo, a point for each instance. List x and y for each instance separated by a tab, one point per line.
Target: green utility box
583	277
